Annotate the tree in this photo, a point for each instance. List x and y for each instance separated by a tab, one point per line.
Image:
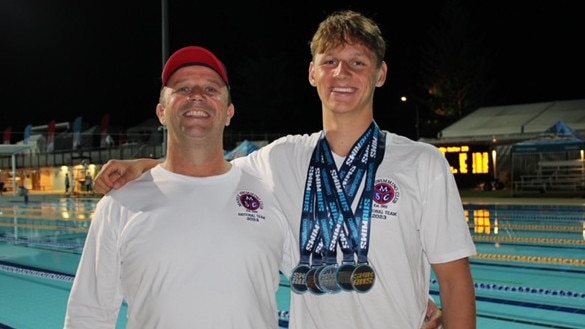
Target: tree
454	66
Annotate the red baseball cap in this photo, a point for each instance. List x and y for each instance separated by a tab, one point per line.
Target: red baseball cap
193	55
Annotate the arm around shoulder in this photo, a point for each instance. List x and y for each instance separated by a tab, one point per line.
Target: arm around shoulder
116	173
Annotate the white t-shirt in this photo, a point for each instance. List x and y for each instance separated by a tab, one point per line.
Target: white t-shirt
183	252
421	222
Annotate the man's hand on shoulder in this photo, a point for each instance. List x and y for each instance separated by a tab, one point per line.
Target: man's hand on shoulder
117	173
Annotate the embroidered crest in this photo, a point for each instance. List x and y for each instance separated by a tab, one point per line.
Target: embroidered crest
249	200
385	191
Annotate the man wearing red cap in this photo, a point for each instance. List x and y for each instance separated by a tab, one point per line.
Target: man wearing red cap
194	243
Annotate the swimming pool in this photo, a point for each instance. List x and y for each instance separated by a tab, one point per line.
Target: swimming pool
529	271
530	268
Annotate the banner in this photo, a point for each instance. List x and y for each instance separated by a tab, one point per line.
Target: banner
27	133
7	135
105	130
77	133
51	136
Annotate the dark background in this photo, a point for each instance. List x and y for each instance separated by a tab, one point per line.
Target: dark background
62	59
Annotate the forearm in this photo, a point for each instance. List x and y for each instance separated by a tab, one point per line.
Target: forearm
457	294
458	307
147	163
116	173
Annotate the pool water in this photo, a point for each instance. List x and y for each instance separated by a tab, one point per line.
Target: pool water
529	271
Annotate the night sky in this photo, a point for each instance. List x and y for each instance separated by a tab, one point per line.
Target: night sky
62	59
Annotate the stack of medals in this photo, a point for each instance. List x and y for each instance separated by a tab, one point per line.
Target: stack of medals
328	221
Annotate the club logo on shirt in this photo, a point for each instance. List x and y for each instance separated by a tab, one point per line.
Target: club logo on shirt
386	195
385	191
252	203
249	201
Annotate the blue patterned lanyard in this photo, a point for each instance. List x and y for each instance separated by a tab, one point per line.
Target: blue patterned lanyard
329	223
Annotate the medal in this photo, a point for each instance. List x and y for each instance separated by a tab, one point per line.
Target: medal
362	278
343	276
326	279
298	279
311	282
316	277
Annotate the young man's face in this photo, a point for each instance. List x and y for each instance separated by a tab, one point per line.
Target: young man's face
346	77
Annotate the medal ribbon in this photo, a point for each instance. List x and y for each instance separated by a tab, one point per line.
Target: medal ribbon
364	210
338	202
309	231
360	160
333	192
